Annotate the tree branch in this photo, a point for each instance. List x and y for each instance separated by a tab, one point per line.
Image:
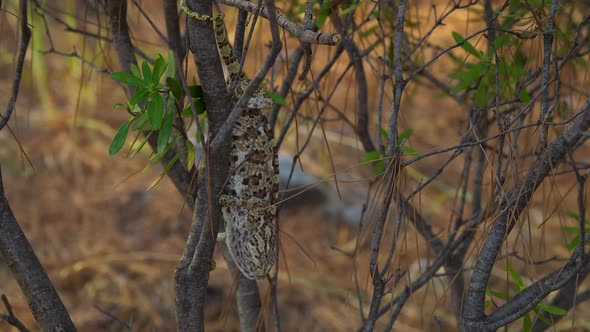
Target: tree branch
511	206
192	272
16	251
304	35
24	44
11	317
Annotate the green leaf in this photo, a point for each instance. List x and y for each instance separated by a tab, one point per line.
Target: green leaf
466	78
466	45
408	150
175	88
128	78
573	243
351	8
170	103
199	105
371	156
520	59
572	215
164	172
527	323
481	96
120	137
190	154
117	105
498	295
154	158
202	125
171	68
525	97
544	318
147	73
187	112
552	309
159	69
156	110
405	135
376	159
196	91
135	70
384	133
570	230
390	52
322	14
276	98
142	123
501	41
133	145
135	110
139	95
379	167
165	131
516	278
145	140
368	32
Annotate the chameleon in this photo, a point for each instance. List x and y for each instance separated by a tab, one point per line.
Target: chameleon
249	199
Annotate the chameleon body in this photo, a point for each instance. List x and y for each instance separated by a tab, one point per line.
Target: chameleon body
248	204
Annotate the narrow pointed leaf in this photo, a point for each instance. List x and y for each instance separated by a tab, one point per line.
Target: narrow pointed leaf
156	111
165	131
128	78
120	137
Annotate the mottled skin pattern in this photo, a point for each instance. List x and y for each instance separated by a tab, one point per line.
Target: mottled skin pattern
248	204
251	194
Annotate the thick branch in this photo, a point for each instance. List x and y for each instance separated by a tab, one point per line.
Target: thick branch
17	253
566	299
362	106
192	272
511	206
173	28
529	298
247	295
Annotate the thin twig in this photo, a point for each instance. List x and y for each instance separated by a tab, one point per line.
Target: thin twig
304	35
20	62
11	318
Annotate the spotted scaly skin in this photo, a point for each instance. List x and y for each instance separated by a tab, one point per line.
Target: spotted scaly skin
248	204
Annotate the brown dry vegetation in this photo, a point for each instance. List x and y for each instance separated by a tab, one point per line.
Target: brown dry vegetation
109	245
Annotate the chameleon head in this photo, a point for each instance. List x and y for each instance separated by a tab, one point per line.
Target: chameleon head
260	101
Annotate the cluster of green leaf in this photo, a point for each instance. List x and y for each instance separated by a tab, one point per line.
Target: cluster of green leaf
575	231
378	161
152	108
476	75
519	286
322	9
